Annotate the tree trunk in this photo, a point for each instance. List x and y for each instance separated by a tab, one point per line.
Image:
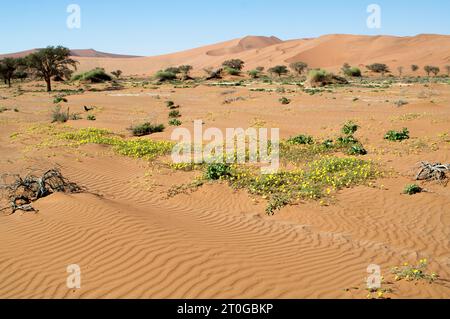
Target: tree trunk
49	85
9	82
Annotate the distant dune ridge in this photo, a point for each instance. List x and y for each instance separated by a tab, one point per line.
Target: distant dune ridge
86	53
329	52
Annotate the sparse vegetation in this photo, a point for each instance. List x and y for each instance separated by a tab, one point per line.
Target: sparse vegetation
59	115
397	136
414	272
146	129
91	117
216	171
301	140
174	122
97	75
284	100
174	114
412	189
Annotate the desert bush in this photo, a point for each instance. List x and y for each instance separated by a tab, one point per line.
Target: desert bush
232	71
414	67
254	74
319	77
350	128
352	71
216	171
146	129
59	99
174	122
284	100
235	64
356	149
412	189
301	140
163	76
396	135
174	114
60	116
91	117
97	75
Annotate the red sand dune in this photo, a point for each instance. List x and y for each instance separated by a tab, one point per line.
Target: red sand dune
330	52
86	53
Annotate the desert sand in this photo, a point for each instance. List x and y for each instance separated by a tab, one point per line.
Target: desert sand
133	241
329	52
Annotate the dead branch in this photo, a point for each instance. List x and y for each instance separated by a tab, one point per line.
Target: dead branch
23	192
432	172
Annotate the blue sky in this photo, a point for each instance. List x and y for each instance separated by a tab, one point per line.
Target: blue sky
150	27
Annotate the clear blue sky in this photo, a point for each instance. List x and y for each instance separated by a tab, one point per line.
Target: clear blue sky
150	27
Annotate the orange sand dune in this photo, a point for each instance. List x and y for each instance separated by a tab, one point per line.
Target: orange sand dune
330	51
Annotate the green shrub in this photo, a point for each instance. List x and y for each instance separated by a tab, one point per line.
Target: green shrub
232	71
350	128
59	99
217	171
317	75
301	140
412	189
170	104
254	74
163	76
352	71
397	136
146	129
174	114
356	149
284	100
91	117
60	116
174	122
97	75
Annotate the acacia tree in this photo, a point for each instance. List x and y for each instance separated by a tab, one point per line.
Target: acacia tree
298	67
414	67
400	71
378	68
279	70
8	67
52	62
236	64
432	69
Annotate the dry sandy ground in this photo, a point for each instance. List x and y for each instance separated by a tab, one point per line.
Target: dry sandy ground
133	242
